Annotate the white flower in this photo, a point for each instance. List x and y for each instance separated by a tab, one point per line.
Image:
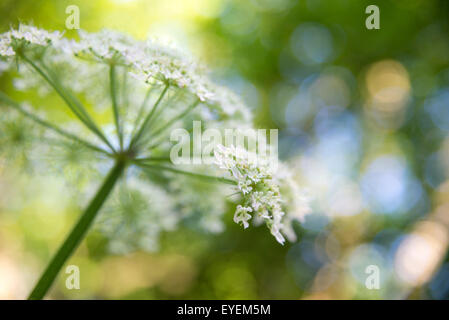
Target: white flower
152	61
166	63
25	36
242	216
295	199
245	186
260	193
5	47
277	234
106	46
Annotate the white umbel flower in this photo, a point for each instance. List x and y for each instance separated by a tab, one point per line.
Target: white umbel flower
242	215
106	46
25	36
261	195
98	68
153	62
272	197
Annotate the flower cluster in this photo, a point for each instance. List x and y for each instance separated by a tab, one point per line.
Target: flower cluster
168	64
260	191
152	61
105	46
25	36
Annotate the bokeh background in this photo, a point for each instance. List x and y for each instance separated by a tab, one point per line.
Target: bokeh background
363	116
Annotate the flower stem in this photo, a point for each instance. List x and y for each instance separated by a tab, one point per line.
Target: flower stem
201	176
74	105
170	123
141	111
143	126
176	118
115	109
77	233
5	99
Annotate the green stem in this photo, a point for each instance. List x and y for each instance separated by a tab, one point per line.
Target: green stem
169	124
166	159
125	90
77	233
75	106
201	176
142	128
174	119
48	125
141	111
75	109
170	102
115	104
